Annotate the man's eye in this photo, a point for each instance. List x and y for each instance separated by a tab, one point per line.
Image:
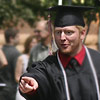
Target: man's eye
69	32
58	32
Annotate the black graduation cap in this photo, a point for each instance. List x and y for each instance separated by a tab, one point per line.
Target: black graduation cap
69	15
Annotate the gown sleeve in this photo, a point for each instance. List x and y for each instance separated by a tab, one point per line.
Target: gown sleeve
38	72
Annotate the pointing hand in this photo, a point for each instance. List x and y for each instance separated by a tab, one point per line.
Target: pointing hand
28	84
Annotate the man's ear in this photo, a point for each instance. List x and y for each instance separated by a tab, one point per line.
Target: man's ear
83	34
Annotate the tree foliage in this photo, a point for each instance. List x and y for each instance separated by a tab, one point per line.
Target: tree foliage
11	11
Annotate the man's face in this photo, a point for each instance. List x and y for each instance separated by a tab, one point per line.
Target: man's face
16	39
69	39
42	32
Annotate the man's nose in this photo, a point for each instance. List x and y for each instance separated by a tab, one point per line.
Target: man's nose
63	36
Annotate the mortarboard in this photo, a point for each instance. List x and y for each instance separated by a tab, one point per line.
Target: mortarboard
69	15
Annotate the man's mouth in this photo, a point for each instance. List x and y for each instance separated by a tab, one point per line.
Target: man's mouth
65	45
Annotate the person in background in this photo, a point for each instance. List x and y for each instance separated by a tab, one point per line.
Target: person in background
42	50
22	61
3	60
92	39
7	74
73	72
37	34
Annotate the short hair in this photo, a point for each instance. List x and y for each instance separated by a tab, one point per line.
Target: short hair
80	28
45	22
10	32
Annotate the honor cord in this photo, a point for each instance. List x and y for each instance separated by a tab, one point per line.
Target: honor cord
94	72
65	78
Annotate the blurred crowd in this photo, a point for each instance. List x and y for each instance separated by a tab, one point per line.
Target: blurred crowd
14	63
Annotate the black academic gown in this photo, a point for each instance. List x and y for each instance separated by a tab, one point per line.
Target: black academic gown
51	81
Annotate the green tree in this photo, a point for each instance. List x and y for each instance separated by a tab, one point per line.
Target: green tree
11	11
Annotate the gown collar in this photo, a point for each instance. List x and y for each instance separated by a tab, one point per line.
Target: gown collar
79	57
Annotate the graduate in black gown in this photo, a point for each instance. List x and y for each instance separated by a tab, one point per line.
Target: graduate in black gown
73	72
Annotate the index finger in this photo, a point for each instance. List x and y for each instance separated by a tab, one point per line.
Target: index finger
26	79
